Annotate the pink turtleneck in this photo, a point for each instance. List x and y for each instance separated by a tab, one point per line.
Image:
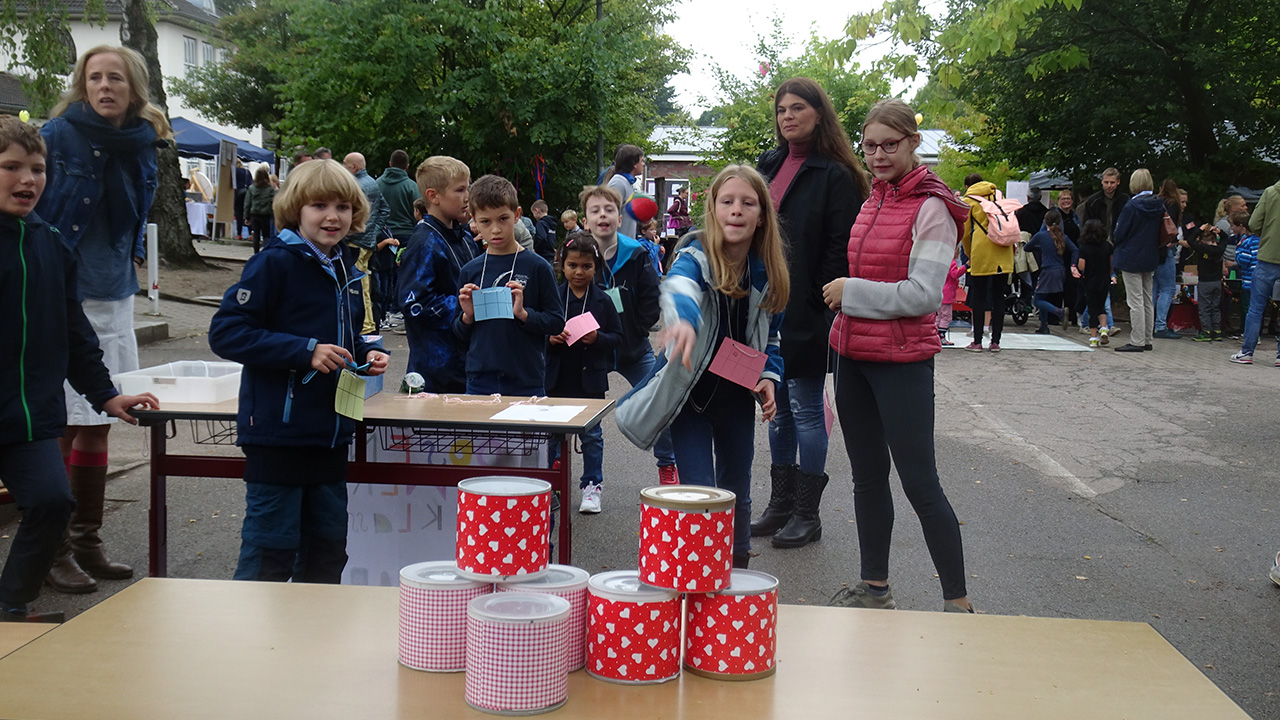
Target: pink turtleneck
796	154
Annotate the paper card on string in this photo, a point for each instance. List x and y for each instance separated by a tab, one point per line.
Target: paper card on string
493	303
580	326
616	296
828	409
738	363
349	401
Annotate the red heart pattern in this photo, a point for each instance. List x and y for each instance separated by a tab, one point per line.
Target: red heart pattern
502	536
731	634
633	642
689	552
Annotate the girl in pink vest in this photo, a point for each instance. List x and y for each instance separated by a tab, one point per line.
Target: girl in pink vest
899	252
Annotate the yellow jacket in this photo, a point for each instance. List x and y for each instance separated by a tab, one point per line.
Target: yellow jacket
985	257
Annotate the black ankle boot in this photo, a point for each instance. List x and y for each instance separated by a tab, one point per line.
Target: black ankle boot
781	501
805	526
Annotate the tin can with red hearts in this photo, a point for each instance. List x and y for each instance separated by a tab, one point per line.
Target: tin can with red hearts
516	653
732	634
503	528
433	616
633	630
686	537
569	583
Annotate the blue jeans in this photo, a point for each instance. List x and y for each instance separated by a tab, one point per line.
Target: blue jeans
34	474
1050	306
719	453
1264	279
296	532
592	455
800	425
634	373
1166	282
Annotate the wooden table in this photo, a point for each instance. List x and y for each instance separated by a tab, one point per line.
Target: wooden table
15	635
169	648
461	413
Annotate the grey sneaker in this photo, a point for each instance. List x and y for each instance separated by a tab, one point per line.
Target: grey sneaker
950	606
860	596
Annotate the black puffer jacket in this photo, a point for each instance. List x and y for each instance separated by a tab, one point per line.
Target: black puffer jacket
816	214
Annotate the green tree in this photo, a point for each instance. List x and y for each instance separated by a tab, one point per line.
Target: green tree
36	36
968	148
1186	88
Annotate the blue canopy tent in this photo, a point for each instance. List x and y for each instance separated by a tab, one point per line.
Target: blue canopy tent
197	140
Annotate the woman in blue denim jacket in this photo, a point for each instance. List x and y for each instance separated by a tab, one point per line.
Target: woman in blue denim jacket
101	183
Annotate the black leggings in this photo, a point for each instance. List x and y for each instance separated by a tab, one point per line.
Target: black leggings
986	292
888	408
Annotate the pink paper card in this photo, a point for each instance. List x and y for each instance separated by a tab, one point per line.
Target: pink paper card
738	363
579	326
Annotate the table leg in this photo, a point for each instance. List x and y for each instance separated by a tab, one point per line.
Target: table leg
158	522
566	498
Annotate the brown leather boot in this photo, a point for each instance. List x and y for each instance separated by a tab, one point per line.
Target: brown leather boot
89	485
66	576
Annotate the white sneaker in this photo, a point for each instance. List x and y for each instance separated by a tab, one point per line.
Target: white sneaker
590	500
1275	570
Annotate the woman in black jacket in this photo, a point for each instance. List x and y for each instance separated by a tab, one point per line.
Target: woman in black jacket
817	186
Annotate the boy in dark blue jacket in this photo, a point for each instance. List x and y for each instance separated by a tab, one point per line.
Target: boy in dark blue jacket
47	339
430	272
507	350
581	369
293	321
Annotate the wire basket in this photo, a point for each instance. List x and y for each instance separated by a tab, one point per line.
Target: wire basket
473	442
213	432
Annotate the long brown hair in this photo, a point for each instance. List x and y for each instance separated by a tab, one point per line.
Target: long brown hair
140	105
829	138
625	160
766	243
1053	221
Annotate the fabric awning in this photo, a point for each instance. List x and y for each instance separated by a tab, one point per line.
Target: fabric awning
196	140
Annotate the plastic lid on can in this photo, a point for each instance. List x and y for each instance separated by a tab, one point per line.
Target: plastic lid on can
749	582
504	486
518	608
689	498
556	578
625	586
436	575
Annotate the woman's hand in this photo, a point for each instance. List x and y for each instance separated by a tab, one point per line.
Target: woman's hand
764	392
678	339
833	293
378	362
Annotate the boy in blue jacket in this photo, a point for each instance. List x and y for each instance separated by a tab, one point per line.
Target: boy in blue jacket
581	369
505	354
429	276
47	340
294	322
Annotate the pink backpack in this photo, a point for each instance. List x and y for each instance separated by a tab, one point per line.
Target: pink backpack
1002	227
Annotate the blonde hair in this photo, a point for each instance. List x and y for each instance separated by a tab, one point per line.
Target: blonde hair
135	68
600	191
899	116
1224	206
1140	181
569	215
319	180
438	172
766	243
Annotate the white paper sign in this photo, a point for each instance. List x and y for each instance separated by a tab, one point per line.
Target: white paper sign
540	413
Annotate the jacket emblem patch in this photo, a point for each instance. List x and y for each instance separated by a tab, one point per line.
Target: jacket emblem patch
242	295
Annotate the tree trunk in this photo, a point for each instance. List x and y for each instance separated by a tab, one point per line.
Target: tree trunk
169	211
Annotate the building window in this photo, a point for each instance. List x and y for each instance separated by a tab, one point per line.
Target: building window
190	60
210	54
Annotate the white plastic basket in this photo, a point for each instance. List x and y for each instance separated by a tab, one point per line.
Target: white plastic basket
185	381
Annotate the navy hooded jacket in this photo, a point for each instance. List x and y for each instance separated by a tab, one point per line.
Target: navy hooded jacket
1137	238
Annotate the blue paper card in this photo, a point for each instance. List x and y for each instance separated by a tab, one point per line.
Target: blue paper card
493	303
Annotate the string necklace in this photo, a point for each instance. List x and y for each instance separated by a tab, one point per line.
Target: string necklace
484	266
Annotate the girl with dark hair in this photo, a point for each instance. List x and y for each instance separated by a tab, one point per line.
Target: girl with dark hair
1095	266
1165	281
1054	252
628	164
816	185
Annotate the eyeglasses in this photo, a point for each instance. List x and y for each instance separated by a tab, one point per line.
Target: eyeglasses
888	146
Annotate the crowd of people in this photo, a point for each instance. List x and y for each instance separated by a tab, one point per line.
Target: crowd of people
819	259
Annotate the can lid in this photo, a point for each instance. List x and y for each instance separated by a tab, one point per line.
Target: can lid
436	575
518	608
749	582
506	486
556	578
625	585
690	498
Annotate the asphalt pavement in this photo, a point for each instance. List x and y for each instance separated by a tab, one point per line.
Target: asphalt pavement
1096	485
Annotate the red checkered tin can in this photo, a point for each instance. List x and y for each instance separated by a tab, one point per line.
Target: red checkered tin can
686	537
732	634
433	616
633	629
569	583
503	528
516	661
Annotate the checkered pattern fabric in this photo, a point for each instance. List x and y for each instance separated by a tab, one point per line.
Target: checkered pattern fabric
577	631
515	668
433	627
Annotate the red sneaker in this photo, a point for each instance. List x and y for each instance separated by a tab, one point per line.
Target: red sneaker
667	475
